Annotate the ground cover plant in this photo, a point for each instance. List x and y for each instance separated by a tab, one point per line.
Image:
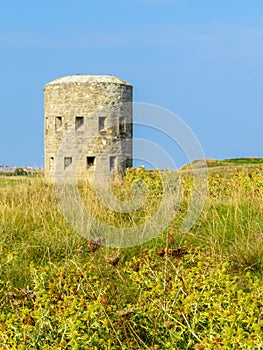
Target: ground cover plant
199	290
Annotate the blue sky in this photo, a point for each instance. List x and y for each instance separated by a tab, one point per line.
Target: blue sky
202	60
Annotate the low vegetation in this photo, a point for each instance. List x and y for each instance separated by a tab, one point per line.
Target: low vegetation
228	163
198	290
20	172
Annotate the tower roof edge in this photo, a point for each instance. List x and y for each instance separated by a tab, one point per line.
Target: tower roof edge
78	78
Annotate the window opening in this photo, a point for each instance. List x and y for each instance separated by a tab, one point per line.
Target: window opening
122	125
90	161
79	122
58	123
67	162
102	121
51	163
112	163
128	163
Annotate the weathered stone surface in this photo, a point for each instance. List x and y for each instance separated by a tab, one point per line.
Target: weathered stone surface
87	117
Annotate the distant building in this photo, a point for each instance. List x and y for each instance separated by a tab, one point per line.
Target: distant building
88	126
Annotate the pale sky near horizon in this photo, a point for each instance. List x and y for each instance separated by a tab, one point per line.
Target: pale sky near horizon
201	60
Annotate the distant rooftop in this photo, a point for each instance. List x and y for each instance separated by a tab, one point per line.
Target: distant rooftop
88	79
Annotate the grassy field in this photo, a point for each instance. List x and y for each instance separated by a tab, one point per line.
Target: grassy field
229	163
197	290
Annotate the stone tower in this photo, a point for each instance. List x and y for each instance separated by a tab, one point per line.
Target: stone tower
88	126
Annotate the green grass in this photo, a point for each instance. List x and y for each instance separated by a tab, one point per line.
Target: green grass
203	292
243	161
20	172
225	163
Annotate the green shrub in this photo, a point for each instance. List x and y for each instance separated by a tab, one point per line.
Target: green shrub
192	303
20	172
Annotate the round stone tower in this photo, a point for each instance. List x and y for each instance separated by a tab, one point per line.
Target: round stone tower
88	126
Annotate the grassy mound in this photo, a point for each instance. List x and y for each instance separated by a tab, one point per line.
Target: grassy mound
225	163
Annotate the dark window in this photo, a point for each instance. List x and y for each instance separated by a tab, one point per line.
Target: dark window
112	163
67	162
79	122
122	125
128	163
58	123
102	121
90	161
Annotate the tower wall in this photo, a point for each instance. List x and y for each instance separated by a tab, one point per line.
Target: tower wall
88	126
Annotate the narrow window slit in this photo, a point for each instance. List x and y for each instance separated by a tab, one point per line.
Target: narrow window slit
58	123
102	122
79	122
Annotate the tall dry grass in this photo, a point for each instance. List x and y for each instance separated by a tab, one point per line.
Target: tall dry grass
33	230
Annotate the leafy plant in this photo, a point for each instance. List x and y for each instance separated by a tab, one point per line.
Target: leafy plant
20	172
